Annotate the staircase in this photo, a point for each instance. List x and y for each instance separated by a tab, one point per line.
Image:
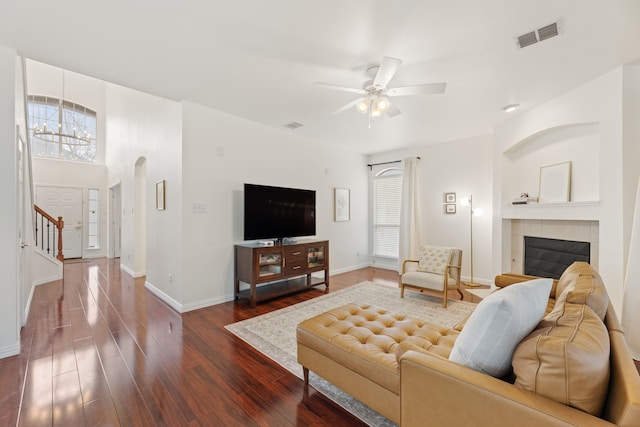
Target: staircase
47	229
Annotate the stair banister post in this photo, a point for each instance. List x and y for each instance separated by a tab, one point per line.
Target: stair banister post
60	227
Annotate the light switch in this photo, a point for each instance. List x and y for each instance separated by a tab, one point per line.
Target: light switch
199	208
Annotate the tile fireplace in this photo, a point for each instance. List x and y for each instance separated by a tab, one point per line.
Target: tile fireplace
583	234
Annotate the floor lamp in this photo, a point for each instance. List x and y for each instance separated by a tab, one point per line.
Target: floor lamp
472	212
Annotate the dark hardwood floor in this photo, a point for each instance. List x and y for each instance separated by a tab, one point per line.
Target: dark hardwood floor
98	349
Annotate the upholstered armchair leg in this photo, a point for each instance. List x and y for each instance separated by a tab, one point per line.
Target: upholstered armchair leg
401	290
445	297
461	294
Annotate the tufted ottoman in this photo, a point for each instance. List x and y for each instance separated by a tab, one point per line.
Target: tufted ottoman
355	346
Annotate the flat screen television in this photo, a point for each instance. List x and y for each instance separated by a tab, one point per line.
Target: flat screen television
278	212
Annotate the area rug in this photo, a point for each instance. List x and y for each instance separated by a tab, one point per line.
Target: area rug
274	334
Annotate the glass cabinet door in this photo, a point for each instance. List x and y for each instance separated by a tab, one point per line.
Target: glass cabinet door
315	256
269	264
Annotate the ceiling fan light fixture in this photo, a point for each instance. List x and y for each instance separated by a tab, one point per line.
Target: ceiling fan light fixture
382	104
363	106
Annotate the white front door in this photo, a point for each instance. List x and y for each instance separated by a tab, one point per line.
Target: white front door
67	203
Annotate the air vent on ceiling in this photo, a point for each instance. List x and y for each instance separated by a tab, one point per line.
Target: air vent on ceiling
293	125
542	33
548	31
527	39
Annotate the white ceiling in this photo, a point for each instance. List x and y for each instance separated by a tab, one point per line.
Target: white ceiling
259	59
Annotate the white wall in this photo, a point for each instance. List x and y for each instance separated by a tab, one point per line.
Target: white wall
141	125
9	305
221	152
598	102
465	168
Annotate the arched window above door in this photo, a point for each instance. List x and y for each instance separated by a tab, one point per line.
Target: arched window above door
61	129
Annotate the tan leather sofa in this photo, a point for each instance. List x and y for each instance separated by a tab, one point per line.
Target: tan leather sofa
399	366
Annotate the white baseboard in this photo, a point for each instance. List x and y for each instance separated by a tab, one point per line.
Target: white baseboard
348	269
164	297
44	280
183	308
206	303
9	351
127	270
130	272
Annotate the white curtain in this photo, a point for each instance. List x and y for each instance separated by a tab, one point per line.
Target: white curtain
409	212
631	301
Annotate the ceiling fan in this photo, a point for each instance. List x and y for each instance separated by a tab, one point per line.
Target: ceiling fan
375	93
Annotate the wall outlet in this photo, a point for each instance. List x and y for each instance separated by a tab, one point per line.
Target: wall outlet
170	278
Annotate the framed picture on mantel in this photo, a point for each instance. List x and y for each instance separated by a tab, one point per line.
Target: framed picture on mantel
555	183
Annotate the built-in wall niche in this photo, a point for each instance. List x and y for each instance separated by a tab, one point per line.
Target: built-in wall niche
576	143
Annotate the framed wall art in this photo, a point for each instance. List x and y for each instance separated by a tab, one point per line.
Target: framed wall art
450	208
449	197
341	204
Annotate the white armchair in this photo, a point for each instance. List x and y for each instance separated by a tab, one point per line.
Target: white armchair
438	269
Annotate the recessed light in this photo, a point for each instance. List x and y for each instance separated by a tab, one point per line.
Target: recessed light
511	107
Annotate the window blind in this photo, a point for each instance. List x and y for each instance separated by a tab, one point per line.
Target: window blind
387	190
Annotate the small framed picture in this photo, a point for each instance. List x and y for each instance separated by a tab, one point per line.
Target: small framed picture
450	198
450	208
160	189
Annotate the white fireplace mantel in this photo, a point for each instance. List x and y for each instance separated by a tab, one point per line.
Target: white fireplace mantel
576	211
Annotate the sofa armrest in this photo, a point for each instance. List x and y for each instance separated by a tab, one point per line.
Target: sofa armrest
506	279
436	391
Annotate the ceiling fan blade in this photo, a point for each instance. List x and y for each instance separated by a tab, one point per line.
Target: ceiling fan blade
386	71
347	106
425	89
341	88
393	110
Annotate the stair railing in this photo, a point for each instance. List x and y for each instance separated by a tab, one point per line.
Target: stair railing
45	235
